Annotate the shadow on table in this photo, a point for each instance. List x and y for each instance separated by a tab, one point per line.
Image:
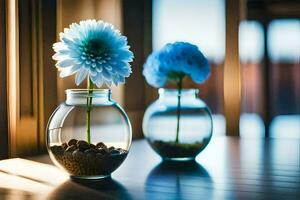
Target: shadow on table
179	180
89	190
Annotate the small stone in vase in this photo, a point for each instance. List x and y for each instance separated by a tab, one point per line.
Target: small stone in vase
101	145
83	145
57	149
64	145
111	148
99	156
77	153
71	148
93	146
103	151
72	142
115	152
90	151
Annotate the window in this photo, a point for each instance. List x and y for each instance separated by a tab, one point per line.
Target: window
251	50
284	53
283	69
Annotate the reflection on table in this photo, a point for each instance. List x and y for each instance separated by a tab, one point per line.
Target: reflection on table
229	168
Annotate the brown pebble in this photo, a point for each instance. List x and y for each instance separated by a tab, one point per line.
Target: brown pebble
111	148
115	152
64	145
72	142
101	145
71	148
57	149
77	153
91	151
99	156
103	151
93	146
89	154
83	145
121	150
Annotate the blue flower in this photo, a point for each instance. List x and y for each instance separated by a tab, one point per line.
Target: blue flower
155	71
94	49
175	61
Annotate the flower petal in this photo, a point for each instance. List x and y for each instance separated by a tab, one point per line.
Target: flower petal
65	63
93	72
80	76
59	46
108	83
106	74
98	80
69	71
58	56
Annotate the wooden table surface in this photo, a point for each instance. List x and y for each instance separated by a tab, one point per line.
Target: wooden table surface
229	168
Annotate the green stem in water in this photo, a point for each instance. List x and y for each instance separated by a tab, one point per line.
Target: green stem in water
179	86
90	86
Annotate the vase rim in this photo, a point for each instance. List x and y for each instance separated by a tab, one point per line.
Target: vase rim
192	91
85	92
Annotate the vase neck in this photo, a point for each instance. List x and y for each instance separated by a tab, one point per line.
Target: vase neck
80	96
174	93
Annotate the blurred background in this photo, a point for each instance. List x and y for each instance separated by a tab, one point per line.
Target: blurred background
254	43
269	51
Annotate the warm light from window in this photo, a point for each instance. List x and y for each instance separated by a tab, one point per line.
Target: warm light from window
200	22
284	40
251	41
20	175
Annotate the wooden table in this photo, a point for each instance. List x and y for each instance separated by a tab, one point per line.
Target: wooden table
229	168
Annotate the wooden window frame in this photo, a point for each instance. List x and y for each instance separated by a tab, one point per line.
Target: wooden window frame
137	26
232	70
29	66
3	85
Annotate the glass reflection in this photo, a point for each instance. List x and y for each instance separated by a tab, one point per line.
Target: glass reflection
181	180
90	189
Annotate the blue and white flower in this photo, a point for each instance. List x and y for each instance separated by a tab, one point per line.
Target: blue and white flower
175	61
93	49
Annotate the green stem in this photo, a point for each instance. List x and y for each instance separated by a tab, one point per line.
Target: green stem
90	86
179	86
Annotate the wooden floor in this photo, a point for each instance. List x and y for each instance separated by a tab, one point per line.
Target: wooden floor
229	168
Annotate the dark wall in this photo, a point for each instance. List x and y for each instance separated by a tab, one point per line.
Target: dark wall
3	86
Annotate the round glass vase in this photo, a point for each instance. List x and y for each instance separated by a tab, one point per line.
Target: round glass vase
178	126
89	135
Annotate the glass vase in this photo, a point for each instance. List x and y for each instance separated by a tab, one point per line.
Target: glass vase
178	126
88	135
